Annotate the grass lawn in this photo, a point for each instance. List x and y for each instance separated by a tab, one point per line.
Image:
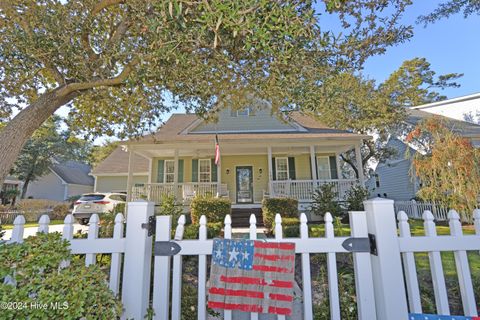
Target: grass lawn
31	224
423	265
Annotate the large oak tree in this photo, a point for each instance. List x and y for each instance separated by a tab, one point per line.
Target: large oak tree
118	64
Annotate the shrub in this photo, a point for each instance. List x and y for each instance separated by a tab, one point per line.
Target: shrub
169	207
119	208
355	197
324	200
214	230
2	232
291	227
286	207
30	272
215	209
60	211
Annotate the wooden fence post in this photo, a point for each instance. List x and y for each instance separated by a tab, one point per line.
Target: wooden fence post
390	297
138	257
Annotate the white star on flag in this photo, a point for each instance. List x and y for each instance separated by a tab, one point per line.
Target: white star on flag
218	253
233	255
245	255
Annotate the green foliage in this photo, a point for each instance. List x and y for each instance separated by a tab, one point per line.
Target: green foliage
214	230
286	207
2	232
291	227
355	197
451	7
215	209
33	275
99	153
325	200
170	207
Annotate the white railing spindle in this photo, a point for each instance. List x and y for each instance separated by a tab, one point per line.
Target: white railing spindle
43	224
177	273
116	264
332	271
463	269
202	272
306	274
438	279
410	269
90	258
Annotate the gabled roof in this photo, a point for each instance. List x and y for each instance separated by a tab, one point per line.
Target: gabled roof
178	125
464	128
73	172
453	101
117	163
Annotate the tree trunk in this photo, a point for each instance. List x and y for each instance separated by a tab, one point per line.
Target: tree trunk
21	128
25	188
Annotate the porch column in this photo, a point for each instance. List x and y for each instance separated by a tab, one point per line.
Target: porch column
313	163
219	177
130	174
339	170
150	170
175	175
358	158
270	171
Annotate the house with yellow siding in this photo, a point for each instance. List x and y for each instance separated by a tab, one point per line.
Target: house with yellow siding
261	155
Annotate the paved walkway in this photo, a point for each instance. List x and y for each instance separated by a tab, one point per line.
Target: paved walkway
31	231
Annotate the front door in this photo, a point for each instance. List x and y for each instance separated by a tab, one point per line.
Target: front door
244	184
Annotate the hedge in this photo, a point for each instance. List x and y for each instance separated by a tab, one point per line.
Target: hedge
215	209
286	207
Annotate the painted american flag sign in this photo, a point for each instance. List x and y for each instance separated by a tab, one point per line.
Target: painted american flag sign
419	316
252	276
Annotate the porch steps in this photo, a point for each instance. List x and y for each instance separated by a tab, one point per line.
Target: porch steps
241	217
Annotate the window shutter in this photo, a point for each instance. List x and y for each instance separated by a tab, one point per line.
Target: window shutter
274	169
214	177
180	170
160	169
291	168
194	170
333	167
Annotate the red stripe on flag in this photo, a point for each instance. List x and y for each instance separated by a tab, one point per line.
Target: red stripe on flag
235	306
257	281
274	257
280	297
274	245
271	269
282	311
236	293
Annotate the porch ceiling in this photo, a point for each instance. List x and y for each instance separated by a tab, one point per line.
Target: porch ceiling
201	150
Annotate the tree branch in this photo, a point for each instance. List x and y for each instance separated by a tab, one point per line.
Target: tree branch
351	163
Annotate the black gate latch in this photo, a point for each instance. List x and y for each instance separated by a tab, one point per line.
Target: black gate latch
150	225
361	244
166	248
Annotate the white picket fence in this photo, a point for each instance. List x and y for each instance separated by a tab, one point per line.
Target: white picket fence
379	279
414	209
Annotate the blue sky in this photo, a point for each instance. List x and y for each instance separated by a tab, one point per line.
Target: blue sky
450	45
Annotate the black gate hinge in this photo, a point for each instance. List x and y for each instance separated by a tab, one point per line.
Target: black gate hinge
361	244
166	248
150	225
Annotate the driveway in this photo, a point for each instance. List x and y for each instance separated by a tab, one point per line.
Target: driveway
31	231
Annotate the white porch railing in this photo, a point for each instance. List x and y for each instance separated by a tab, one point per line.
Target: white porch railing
414	209
303	190
185	191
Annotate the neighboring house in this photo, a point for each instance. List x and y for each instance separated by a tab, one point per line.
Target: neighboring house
392	178
62	181
260	156
10	184
456	108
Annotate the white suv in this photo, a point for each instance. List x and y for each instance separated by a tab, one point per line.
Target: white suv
91	203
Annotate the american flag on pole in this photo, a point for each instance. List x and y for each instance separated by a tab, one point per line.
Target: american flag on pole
217	151
252	276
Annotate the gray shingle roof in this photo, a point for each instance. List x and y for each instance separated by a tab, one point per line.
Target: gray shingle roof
74	172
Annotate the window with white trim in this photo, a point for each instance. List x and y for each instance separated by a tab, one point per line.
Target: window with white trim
169	171
323	168
281	168
245	112
205	170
